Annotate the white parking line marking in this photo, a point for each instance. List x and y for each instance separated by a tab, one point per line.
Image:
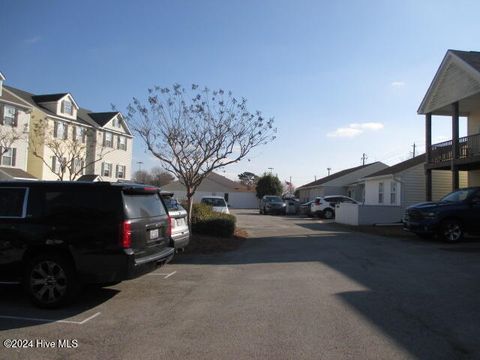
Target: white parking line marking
50	320
170	274
166	276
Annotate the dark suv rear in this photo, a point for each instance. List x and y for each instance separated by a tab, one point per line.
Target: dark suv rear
55	236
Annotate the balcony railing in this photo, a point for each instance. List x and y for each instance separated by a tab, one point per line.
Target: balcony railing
468	146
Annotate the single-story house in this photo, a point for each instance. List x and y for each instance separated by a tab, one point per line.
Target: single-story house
235	194
11	173
340	183
390	191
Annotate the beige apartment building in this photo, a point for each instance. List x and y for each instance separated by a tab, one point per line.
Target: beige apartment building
64	141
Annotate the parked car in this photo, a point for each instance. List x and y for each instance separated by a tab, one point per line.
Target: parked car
305	208
180	234
56	236
271	204
450	218
325	206
217	202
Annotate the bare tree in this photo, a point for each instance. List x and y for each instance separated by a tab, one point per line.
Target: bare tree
8	136
142	177
193	132
68	148
160	177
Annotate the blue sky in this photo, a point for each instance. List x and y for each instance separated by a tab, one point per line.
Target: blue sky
341	78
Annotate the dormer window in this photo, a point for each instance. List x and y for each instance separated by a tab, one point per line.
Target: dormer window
116	122
67	107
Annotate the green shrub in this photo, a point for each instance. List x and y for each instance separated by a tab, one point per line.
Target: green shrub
208	222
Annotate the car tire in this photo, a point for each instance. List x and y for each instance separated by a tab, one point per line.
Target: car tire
451	231
50	280
328	214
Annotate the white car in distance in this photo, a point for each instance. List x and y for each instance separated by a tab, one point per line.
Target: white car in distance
218	203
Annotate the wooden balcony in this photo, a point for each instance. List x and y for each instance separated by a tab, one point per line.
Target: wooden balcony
441	154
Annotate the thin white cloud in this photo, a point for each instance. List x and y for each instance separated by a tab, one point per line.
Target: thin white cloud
345	132
33	40
397	84
355	129
368	126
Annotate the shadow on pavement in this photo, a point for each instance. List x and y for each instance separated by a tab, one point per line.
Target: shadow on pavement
15	303
423	294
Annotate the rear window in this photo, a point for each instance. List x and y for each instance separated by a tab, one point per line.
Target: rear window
143	205
171	203
214	201
11	202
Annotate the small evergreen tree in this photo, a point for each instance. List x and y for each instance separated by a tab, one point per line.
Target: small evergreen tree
268	184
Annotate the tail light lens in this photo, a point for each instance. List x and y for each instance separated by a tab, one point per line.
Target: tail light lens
170	226
126	239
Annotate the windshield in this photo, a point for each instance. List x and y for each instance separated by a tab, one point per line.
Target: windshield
214	201
459	195
273	199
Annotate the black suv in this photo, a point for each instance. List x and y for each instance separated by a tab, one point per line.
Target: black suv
55	236
452	216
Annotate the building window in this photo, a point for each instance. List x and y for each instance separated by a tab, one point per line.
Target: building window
58	165
120	173
67	107
8	156
380	193
80	134
122	143
106	169
60	130
108	139
78	166
393	192
9	115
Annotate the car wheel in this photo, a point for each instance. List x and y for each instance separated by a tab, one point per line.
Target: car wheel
50	280
451	231
328	214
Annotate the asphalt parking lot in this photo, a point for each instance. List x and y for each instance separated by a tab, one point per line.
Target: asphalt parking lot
297	288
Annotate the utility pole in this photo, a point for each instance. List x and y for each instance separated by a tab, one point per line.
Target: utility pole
328	169
364	158
414	147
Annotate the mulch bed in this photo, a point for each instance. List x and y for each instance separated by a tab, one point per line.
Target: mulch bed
204	244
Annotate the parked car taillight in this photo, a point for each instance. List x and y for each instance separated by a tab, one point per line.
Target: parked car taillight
170	226
126	237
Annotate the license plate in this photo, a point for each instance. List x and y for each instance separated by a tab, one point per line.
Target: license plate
153	234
